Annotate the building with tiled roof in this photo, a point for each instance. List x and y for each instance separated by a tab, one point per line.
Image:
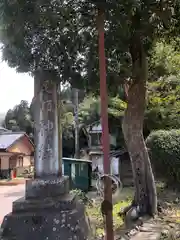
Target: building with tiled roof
16	152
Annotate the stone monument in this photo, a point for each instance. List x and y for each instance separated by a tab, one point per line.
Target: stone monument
48	211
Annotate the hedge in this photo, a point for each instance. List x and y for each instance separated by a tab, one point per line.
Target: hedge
164	152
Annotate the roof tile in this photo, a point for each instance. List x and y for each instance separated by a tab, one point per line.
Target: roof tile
7	139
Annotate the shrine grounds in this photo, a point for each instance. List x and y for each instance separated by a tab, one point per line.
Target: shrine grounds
168	220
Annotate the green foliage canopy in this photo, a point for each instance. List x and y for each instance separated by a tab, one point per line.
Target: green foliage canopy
19	118
163	104
165	60
61	36
90	111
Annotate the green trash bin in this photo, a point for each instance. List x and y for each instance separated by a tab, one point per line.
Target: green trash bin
79	172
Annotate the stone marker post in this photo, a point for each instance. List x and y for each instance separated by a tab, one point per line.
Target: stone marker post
46	129
48	211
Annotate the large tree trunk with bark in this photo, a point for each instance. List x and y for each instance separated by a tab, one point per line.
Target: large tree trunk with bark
145	189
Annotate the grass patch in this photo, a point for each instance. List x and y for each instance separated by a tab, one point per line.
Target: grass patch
94	210
96	218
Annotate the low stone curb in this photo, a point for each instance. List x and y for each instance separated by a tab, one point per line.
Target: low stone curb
13	183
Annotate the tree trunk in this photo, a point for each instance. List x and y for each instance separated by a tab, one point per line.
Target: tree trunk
145	190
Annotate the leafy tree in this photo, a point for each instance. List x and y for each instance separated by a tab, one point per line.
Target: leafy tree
89	110
162	111
165	60
19	118
163	88
62	38
163	104
2	115
67	94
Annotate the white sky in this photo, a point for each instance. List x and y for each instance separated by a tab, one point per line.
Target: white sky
14	87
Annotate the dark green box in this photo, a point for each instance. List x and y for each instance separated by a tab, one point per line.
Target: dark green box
79	172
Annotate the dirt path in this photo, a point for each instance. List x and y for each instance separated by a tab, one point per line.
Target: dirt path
8	194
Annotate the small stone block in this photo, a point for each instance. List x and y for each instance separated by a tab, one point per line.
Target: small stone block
64	203
46	224
44	188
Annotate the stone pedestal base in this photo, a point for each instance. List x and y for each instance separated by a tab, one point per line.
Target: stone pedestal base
59	217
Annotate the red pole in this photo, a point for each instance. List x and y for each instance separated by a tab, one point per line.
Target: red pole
105	129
